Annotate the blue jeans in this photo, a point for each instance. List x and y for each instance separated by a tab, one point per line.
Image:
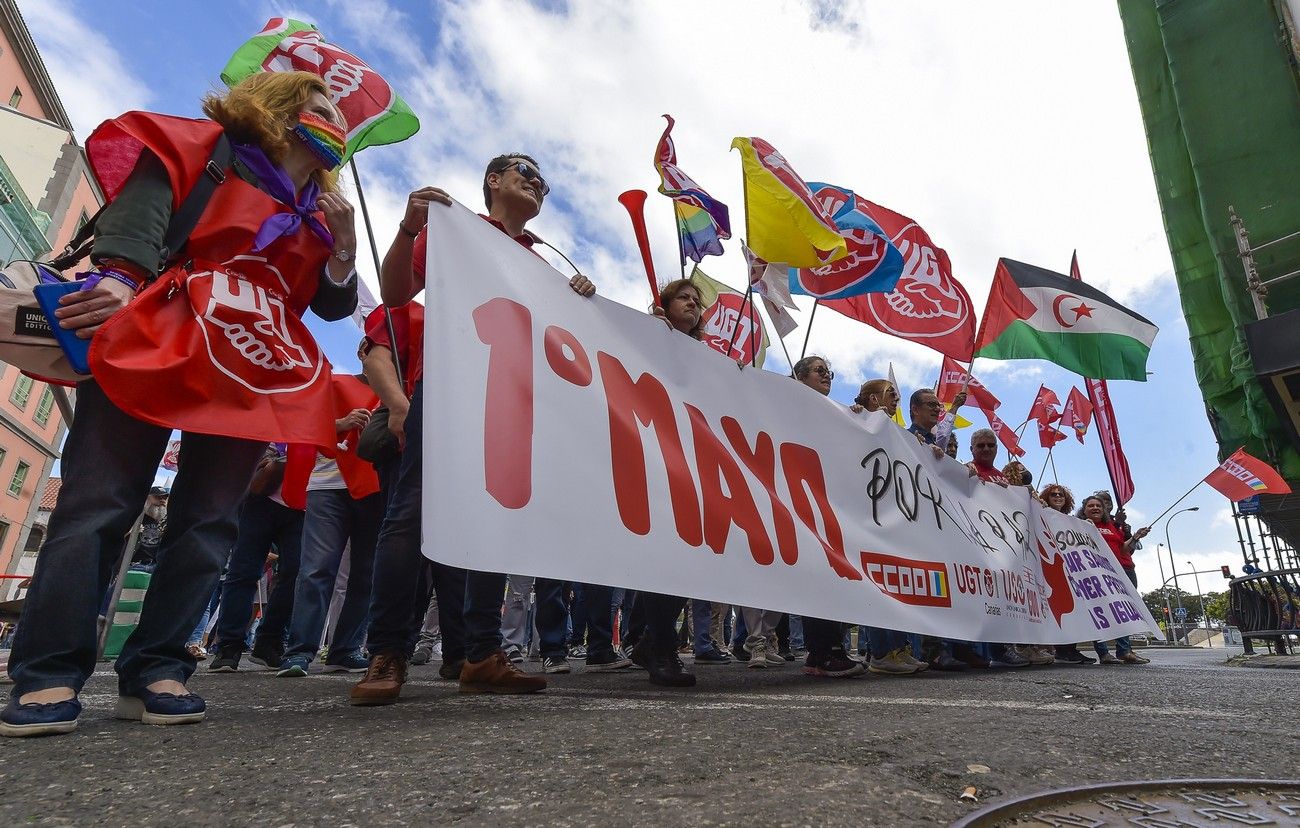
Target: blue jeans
196	637
399	591
262	523
596	618
880	642
660	613
334	518
485	592
109	462
701	623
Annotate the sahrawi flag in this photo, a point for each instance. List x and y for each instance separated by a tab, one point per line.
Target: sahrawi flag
1033	313
374	112
1242	476
702	221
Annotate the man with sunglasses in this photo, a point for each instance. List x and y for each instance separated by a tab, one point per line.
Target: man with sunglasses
513	190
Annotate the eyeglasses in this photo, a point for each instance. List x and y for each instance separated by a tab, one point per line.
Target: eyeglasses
531	174
825	372
1056	494
935	404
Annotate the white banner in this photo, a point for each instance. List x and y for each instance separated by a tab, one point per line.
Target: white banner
583	440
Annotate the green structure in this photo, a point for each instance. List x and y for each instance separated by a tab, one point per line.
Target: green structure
1220	96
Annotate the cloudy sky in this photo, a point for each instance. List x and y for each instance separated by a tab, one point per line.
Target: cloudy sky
1005	129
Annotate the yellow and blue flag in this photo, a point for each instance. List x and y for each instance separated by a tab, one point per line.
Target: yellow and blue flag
786	223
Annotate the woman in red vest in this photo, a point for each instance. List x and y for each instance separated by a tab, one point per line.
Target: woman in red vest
207	339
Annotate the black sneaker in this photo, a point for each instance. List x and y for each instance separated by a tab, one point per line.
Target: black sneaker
712	656
833	665
739	653
667	670
266	656
788	655
1071	655
607	662
555	664
450	670
227	659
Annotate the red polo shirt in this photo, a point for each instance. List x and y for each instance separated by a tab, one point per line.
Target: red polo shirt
989	474
419	251
408	325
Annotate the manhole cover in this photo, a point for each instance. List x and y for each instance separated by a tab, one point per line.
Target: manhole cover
1171	803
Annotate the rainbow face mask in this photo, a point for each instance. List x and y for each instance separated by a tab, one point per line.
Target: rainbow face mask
325	140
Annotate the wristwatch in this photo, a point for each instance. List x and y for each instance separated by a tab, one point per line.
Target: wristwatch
344	255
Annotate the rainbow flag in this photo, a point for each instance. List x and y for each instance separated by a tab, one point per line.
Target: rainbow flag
697	230
702	222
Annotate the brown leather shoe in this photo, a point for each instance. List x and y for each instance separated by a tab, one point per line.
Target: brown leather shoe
383	680
495	674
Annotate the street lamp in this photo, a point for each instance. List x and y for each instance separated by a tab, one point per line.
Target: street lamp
1170	547
1200	597
1169	614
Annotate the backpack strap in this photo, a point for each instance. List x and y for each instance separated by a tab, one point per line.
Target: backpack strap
182	222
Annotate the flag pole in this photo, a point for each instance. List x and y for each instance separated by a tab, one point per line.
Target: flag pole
1175	503
1045	462
379	273
749	294
808	334
780	339
1055	477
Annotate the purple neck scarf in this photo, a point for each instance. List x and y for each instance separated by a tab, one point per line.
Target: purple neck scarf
277	184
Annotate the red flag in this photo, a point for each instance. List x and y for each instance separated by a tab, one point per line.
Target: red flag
1242	476
1107	428
1048	435
1077	414
349	394
928	305
1005	433
1044	408
953	379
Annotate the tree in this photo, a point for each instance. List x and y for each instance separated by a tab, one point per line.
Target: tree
1216	606
1155	601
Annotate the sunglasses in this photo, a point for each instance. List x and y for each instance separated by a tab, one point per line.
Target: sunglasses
825	372
531	174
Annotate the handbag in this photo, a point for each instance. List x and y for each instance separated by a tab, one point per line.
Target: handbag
27	338
377	445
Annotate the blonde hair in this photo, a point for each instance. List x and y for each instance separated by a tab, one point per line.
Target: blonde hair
257	110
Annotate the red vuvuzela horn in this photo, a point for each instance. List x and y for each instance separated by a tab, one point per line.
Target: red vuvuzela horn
634	201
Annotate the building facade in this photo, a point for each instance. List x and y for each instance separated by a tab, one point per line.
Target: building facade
46	194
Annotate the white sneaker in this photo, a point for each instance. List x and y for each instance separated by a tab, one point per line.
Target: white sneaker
890	664
1036	655
905	655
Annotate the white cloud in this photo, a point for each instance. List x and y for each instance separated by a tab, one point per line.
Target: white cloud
93	81
1005	130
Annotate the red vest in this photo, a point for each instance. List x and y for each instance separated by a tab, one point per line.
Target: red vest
348	393
215	345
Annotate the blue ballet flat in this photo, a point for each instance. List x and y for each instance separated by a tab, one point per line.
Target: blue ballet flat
160	708
35	719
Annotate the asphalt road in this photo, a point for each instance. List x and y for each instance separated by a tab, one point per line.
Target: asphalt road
744	747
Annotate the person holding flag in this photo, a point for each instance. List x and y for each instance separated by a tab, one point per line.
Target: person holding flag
170	315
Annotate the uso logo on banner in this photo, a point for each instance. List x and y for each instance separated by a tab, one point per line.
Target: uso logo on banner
872	264
727	331
362	95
